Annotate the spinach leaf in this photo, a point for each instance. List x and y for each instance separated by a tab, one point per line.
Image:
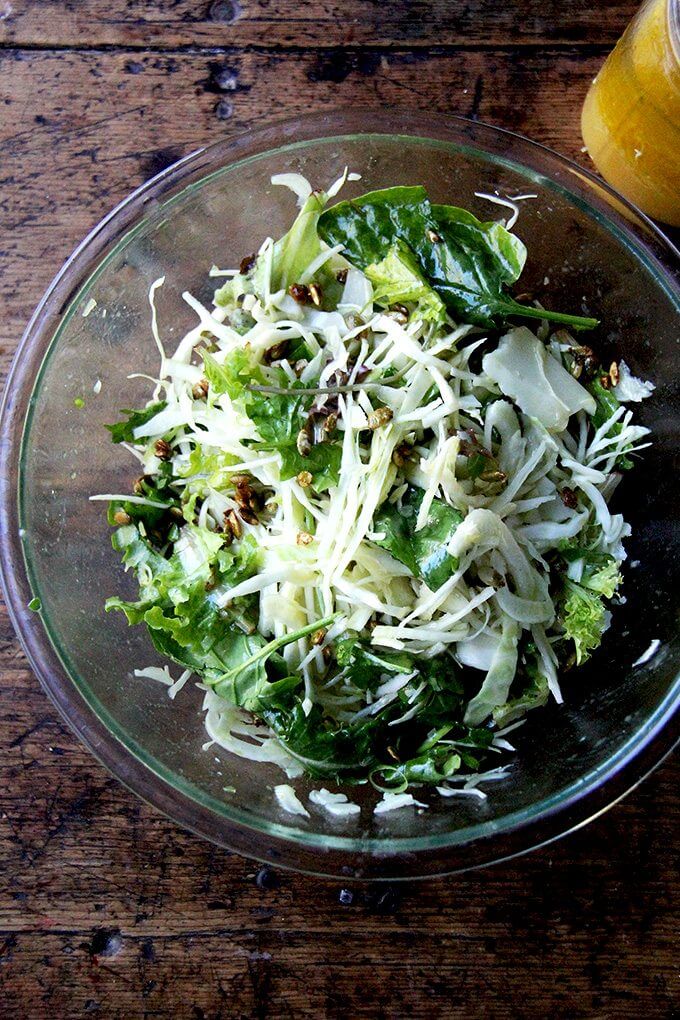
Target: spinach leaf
325	750
365	665
467	262
123	431
434	766
245	682
424	552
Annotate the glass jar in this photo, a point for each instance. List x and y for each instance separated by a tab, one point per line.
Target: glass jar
631	117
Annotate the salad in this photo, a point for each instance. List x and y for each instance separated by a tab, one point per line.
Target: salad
372	518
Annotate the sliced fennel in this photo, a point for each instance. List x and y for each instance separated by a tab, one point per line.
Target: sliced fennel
374	511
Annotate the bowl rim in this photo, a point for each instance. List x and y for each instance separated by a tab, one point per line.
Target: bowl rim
392	856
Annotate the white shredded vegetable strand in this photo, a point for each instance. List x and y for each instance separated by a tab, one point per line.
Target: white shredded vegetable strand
380	500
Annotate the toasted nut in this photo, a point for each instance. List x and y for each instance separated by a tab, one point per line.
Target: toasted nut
316	294
318	636
433	236
304	538
381	416
138	486
200	390
247	264
304	479
120	517
176	513
300	293
248	515
330	424
401	454
497	579
569	497
327	653
614	373
397	316
605	382
232	524
493	476
276	353
304	442
162	449
401	309
341	275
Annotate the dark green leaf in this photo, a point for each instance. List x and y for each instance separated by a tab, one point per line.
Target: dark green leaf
367	666
123	431
466	262
424	552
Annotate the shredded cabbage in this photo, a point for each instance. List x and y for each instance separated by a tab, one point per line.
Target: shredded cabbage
372	528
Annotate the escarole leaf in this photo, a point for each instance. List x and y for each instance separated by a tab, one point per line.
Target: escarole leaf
124	431
583	611
535	694
398	278
278	417
183	622
424	552
293	252
467	262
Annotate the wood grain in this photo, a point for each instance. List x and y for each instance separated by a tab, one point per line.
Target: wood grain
108	909
80	130
261	23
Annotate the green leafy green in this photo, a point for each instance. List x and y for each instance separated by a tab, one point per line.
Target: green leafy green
183	622
326	750
234	374
583	618
123	431
434	766
366	666
467	262
424	552
582	607
296	249
398	279
534	695
278	417
245	682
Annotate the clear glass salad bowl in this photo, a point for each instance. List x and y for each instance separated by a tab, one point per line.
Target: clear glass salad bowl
588	250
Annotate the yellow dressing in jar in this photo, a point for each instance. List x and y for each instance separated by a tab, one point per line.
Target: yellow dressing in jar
631	117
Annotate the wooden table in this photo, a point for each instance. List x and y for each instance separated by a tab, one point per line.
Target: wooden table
109	910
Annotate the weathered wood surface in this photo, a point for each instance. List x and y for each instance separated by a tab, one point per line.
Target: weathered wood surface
79	130
105	907
262	23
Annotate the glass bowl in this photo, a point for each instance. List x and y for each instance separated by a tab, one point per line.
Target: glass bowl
588	250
